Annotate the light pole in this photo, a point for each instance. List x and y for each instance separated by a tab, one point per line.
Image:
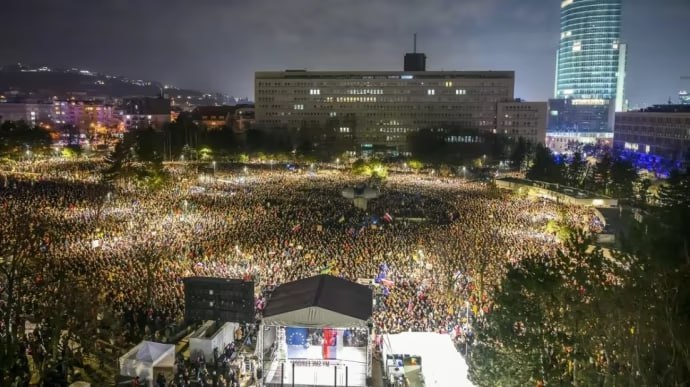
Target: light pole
467	307
214	168
337	163
464	172
271	162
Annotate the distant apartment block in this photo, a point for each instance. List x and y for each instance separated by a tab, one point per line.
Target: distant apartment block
145	112
33	113
86	116
523	119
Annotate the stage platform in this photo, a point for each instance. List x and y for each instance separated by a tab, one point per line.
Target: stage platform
311	370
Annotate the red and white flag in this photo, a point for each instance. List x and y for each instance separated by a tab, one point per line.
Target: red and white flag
387	217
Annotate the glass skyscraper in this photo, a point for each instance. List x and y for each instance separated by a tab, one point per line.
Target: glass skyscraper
591	59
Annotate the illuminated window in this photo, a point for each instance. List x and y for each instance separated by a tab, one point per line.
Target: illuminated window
299	107
314	92
577	46
460	91
449	84
431	92
332	114
344	129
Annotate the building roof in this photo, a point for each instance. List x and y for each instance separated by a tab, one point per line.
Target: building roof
319	301
303	74
664	109
146	105
203	111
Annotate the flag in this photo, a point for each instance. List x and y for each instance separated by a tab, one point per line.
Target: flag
342	219
297	228
387	217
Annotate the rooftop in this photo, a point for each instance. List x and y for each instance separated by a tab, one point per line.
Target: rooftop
664	109
303	74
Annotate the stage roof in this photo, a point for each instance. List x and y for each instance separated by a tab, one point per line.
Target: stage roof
318	302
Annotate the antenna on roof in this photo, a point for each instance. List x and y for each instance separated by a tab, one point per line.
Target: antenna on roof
415	43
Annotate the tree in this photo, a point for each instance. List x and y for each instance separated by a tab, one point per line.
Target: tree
415	165
520	152
623	178
544	324
16	138
601	177
444	170
373	169
576	170
544	166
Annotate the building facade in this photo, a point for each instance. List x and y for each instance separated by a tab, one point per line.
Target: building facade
380	108
684	97
523	119
33	113
657	135
591	59
213	117
85	116
145	112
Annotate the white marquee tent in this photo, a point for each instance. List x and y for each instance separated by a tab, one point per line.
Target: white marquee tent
442	364
144	357
221	336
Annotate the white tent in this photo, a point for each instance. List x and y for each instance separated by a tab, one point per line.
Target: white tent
442	364
201	341
144	357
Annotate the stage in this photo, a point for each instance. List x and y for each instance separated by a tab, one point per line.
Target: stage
316	332
316	364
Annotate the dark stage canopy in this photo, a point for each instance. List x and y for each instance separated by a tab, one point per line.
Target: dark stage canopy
319	302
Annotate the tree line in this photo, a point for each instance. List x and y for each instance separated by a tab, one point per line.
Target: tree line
590	317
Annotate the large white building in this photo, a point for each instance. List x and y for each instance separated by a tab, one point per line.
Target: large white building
380	108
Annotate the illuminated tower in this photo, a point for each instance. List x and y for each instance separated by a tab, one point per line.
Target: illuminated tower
591	60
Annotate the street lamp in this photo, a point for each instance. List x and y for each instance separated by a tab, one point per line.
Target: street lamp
467	307
214	168
245	169
464	172
271	162
337	163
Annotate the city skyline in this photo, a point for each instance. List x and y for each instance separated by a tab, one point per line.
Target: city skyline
218	45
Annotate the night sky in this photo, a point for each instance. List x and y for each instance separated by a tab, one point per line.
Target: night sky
216	45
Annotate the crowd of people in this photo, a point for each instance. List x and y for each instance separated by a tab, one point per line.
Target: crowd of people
130	247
